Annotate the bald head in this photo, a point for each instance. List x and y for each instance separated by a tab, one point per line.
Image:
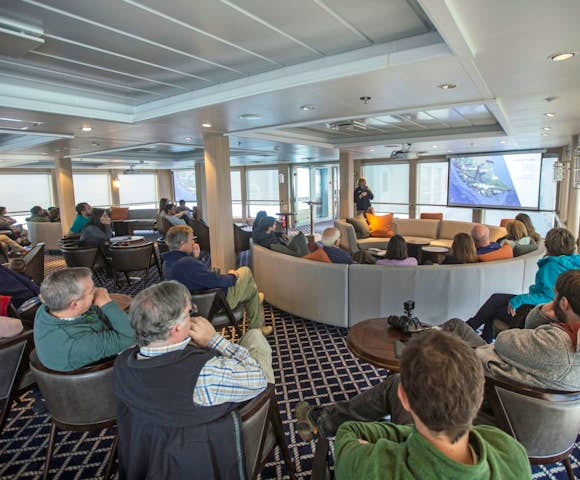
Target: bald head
480	235
330	237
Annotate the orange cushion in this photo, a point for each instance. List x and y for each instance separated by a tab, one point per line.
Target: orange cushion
431	216
119	213
318	255
504	221
381	225
505	251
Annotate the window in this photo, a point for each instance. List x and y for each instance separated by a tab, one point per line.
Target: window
138	188
20	192
432	183
543	221
236	183
92	188
449	213
184	185
390	186
263	191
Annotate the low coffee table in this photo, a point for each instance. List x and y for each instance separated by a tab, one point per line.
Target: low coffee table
433	253
414	248
374	342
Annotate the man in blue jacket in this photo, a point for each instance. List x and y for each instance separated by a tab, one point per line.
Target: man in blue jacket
182	264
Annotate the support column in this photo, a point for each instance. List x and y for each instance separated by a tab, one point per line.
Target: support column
200	190
346	174
284	189
115	184
413	188
573	220
65	192
218	200
165	185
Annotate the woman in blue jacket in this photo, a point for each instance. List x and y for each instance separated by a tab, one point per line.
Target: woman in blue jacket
560	257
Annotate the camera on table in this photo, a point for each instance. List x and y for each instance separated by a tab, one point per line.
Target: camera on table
406	323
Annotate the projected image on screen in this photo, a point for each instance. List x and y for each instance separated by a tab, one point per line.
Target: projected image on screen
508	181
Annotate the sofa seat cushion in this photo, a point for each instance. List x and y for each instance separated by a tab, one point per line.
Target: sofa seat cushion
381	225
442	242
416	228
373	242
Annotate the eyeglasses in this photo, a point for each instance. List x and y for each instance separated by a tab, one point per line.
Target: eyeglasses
193	310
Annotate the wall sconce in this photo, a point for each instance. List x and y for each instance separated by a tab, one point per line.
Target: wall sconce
116	183
558	171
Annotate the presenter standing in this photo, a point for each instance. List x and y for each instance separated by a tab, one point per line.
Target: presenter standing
362	197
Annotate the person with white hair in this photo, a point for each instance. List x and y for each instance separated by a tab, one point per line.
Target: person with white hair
330	239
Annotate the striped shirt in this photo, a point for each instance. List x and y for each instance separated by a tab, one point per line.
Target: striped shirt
231	376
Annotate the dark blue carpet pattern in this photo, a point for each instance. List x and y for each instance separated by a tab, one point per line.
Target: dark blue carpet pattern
311	362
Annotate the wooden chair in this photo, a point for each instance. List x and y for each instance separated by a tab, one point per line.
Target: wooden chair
545	422
15	377
320	468
213	305
262	431
80	400
431	216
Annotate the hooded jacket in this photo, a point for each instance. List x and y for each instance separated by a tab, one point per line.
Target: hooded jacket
549	269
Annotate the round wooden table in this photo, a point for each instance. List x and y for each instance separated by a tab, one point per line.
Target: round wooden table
124	301
414	248
433	253
373	341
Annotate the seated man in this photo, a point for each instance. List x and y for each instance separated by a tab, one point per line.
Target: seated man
84	211
544	357
440	391
176	392
330	239
182	264
38	214
69	332
263	234
480	235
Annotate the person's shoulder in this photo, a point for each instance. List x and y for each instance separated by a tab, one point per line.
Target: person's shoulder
499	444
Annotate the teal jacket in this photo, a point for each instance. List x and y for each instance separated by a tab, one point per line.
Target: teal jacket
549	269
79	224
66	345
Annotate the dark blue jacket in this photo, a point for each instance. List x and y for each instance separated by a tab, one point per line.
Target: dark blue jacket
17	286
193	273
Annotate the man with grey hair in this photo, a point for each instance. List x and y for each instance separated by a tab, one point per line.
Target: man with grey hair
184	381
330	239
480	235
182	264
78	324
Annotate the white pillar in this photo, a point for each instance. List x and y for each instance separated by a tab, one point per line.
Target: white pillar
65	192
346	173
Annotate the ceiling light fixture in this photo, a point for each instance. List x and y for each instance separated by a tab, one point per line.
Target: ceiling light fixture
250	116
561	56
365	99
307	108
188	139
435	146
447	86
206	125
551	99
503	142
550	115
86	129
547	129
544	134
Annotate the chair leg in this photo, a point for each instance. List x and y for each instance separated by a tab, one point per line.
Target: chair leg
4	408
569	470
112	457
50	450
280	438
128	278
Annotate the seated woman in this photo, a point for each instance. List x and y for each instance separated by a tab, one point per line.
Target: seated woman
54	214
512	309
171	215
16	232
527	221
462	250
517	234
397	253
98	230
265	236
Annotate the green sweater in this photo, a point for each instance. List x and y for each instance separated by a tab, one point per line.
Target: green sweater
400	452
66	345
79	223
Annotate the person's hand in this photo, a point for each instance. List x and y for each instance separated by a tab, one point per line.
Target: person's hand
363	194
196	250
362	442
511	310
101	297
201	331
233	272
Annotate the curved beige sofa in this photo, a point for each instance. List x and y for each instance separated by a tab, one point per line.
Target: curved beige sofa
343	295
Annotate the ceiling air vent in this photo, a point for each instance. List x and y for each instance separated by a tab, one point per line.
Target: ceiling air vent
17	38
347	125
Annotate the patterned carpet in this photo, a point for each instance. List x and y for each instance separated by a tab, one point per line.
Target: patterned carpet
311	362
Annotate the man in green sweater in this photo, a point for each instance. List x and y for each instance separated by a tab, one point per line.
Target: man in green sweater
439	390
69	329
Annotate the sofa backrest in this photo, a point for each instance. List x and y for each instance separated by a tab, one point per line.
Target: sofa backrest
142	213
312	290
449	228
348	240
416	228
47	232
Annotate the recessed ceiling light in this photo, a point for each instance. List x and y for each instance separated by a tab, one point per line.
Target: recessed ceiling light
503	142
449	151
435	146
561	56
365	99
550	114
206	125
86	129
547	129
447	86
250	116
306	108
371	149
188	139
544	134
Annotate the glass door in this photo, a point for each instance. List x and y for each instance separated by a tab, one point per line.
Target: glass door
318	184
